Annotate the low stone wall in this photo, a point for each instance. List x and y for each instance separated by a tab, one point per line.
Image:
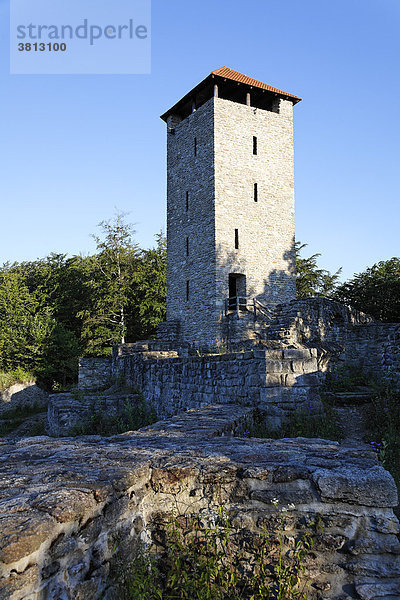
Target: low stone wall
375	348
22	395
67	505
94	372
342	333
67	411
276	381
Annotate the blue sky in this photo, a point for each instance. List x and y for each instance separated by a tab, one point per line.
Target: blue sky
74	147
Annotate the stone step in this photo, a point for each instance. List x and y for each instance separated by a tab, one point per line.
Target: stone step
345	398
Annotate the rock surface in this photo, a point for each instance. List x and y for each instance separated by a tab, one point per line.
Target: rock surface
65	502
22	395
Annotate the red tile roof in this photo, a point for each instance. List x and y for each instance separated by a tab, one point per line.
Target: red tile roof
235	76
225	73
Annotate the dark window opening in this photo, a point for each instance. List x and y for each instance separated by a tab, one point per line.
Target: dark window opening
187	246
187	290
195	146
254	144
256	192
236	239
187	201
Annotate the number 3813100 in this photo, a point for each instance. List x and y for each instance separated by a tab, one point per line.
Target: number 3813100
42	47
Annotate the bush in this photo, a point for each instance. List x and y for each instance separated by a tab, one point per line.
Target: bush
302	423
346	379
131	418
382	422
203	560
18	375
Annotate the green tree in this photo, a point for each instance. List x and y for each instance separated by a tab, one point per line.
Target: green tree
24	324
310	279
110	287
149	291
375	291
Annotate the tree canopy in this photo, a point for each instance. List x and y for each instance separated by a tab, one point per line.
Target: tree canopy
311	280
58	308
376	291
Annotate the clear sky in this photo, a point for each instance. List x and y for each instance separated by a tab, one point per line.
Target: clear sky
74	147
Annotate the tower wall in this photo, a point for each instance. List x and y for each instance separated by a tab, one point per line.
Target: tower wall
266	227
220	180
195	175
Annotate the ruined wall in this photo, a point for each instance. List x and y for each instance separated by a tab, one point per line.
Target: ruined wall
67	506
376	348
277	381
349	335
67	411
94	372
22	395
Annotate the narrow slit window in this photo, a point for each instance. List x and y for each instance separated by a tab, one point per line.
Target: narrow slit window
256	192
187	290
187	201
195	146
254	144
236	239
187	246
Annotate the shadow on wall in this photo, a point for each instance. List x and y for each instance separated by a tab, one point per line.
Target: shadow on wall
278	287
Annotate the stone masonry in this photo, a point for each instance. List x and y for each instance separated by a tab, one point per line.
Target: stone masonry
276	381
94	372
67	505
230	209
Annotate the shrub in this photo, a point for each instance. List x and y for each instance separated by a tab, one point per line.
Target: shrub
302	423
18	375
202	559
131	418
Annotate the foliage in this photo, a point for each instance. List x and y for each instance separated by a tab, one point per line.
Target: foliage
346	378
304	422
376	291
310	279
203	559
147	305
24	323
110	288
13	418
55	309
131	418
18	375
382	421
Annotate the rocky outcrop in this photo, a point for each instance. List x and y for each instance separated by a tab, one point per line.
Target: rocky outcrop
22	395
67	504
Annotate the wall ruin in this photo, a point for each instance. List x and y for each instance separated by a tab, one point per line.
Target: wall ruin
66	505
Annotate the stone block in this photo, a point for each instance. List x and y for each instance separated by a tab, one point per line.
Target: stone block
372	487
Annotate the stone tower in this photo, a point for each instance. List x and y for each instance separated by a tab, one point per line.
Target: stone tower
230	205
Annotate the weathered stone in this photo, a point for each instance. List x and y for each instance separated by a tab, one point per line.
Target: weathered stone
19	582
301	494
65	505
23	533
377	544
50	569
192	465
388	590
374	487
